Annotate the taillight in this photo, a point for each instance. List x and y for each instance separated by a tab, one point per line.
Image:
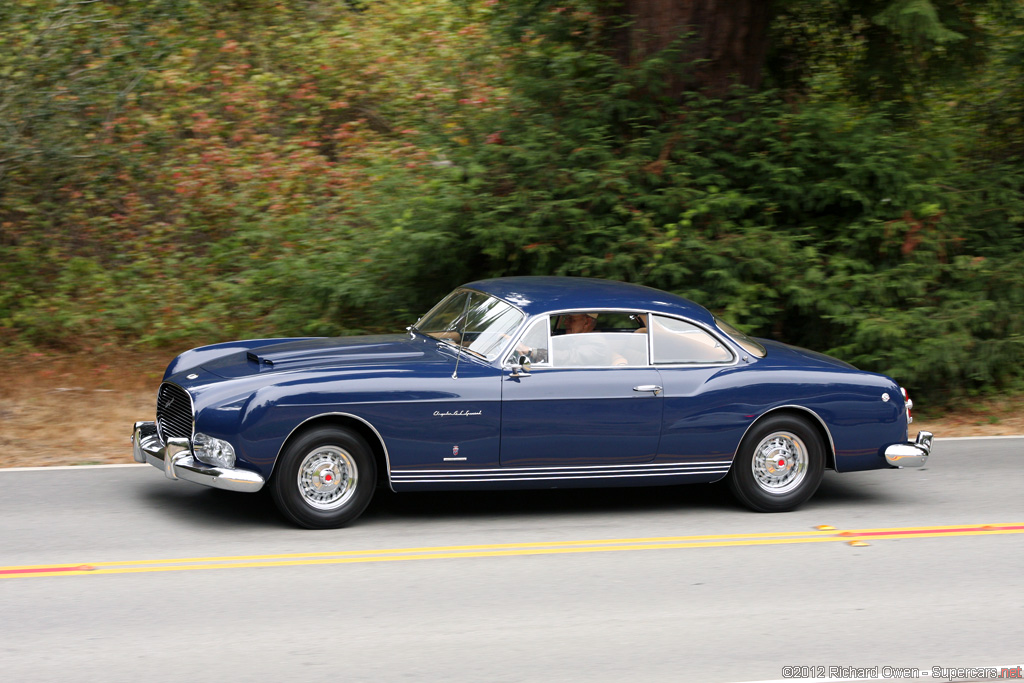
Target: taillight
908	403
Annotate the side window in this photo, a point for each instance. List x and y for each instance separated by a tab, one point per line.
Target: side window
569	323
675	341
533	344
598	339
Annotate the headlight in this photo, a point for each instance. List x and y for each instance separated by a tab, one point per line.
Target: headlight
213	451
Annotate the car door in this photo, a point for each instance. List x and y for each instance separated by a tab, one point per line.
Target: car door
584	402
704	403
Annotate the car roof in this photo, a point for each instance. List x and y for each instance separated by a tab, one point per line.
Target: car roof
539	294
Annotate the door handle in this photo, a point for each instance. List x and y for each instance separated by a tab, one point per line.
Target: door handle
649	387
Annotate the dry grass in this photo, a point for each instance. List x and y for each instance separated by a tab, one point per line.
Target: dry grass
75	410
990	417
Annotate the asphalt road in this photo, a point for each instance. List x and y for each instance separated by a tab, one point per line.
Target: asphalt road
137	578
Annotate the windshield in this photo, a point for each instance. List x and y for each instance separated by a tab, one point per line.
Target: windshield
478	322
751	346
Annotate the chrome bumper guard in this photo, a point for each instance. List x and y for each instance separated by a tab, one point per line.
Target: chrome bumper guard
910	454
177	462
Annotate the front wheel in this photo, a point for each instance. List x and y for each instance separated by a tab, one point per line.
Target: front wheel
324	479
779	465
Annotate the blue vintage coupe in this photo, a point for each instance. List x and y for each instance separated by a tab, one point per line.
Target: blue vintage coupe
530	382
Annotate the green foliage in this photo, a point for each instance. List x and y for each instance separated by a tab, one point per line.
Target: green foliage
822	225
880	50
185	171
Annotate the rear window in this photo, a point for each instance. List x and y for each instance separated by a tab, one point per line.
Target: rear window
677	341
748	344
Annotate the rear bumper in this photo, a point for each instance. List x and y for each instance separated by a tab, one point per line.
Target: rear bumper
177	462
911	454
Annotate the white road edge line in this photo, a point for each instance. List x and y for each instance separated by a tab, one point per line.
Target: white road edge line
69	467
135	464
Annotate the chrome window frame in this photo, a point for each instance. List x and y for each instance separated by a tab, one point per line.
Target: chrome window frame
548	314
621	311
727	343
737	351
548	365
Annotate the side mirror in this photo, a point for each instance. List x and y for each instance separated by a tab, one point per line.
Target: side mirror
522	368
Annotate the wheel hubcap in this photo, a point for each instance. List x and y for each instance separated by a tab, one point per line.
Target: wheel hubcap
780	462
327	478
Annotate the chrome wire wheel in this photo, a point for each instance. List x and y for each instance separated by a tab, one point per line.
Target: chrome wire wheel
324	477
780	462
327	477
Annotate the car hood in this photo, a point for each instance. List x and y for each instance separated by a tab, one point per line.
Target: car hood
328	352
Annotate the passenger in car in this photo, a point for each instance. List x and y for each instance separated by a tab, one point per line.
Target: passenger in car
574	323
593	351
577	323
641	319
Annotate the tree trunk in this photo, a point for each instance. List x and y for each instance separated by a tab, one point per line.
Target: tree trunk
725	41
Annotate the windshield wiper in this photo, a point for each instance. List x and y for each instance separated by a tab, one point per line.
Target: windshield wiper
472	351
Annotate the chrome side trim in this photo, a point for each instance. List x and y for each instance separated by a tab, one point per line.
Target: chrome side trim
627	474
553	474
545	479
387	458
176	461
831	443
574	468
910	454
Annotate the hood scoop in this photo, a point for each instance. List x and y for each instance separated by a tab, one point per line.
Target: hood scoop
253	358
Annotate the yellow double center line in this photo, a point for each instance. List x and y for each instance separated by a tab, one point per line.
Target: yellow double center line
819	535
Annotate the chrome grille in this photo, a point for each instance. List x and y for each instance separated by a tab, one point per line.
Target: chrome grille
173	412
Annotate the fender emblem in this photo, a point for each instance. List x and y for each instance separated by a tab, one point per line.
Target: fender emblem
455	450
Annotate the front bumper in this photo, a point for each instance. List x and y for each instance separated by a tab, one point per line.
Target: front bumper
911	454
177	462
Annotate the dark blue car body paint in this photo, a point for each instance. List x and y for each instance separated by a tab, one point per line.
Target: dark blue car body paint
555	427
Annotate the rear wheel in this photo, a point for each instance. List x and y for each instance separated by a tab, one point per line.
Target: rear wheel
324	479
779	465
